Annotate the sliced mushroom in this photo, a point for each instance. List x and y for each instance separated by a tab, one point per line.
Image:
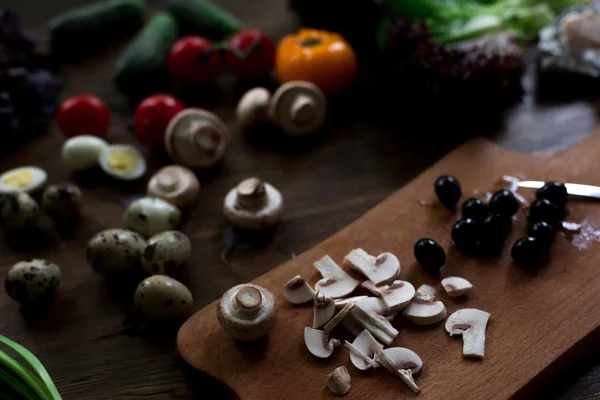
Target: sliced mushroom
253	205
425	293
341	303
351	325
379	327
196	138
339	317
176	185
423	310
339	381
471	324
323	308
402	362
363	351
395	295
375	305
298	291
455	286
318	342
335	283
252	107
298	108
378	269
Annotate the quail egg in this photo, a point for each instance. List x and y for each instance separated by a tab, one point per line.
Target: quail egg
62	201
162	297
23	179
165	252
149	216
115	251
18	210
82	152
32	280
122	162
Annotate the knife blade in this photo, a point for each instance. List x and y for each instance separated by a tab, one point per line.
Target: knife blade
574	189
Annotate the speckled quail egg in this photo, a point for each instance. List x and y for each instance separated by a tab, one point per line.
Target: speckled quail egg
165	252
18	210
162	297
62	201
82	152
149	216
23	179
115	251
32	280
122	162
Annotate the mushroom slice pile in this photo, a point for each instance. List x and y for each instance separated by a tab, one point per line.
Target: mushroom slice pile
395	295
335	283
364	350
298	291
423	310
323	308
380	269
318	342
377	325
402	362
471	324
339	317
455	286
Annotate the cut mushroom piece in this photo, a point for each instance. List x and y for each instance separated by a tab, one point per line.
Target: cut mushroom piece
426	292
363	351
378	269
425	313
395	295
377	325
375	305
298	291
471	324
456	286
339	381
351	325
336	282
339	317
323	309
402	362
341	303
318	342
298	108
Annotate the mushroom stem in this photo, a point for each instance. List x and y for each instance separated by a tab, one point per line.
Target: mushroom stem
406	376
303	109
248	299
251	194
375	324
167	181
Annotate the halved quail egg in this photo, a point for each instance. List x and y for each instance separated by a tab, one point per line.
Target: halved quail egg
23	179
82	152
123	162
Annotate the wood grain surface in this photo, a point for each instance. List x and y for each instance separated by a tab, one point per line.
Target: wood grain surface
359	159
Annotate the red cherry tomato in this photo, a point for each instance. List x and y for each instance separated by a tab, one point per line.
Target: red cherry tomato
83	115
153	115
250	54
193	60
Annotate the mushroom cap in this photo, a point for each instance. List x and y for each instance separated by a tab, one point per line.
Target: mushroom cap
336	282
298	291
175	184
456	286
252	107
298	107
267	216
196	138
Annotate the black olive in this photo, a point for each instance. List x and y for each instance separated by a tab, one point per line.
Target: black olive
430	255
447	190
465	234
504	203
527	252
474	209
543	232
556	192
544	210
496	226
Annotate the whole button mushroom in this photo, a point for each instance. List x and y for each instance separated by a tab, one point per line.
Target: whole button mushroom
298	108
62	201
18	210
247	312
253	205
32	281
115	252
149	216
252	107
165	252
196	138
176	185
162	297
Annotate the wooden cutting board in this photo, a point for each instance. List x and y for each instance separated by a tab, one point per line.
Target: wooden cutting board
540	322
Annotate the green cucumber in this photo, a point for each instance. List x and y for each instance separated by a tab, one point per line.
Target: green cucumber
143	64
82	30
201	17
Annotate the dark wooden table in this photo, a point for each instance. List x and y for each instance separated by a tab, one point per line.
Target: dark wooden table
327	183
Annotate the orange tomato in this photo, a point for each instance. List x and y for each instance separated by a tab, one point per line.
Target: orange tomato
321	57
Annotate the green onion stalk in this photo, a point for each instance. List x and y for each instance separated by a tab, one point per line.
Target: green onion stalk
26	379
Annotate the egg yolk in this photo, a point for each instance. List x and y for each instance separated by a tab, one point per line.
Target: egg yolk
122	161
19	179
